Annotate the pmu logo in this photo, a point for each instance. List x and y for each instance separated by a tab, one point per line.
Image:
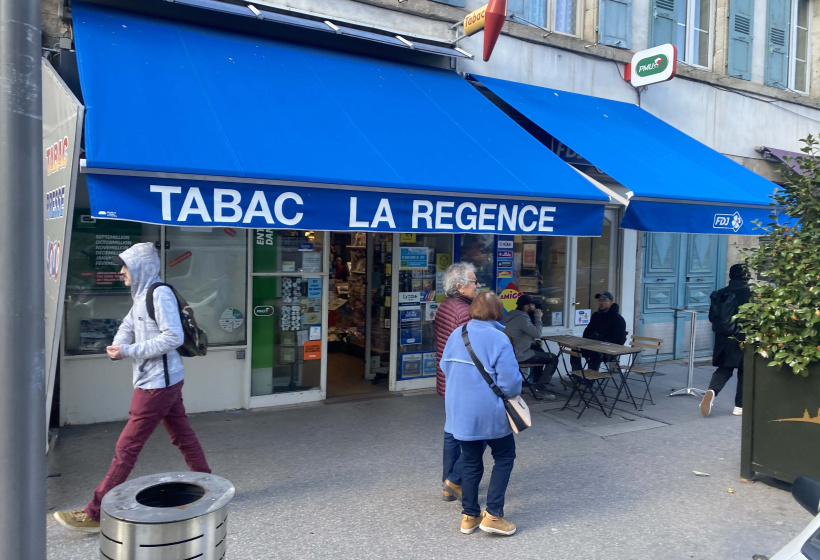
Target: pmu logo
728	221
53	253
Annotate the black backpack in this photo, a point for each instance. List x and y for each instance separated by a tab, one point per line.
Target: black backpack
721	310
196	340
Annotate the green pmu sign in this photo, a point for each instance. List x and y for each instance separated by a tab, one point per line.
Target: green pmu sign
651	65
654	65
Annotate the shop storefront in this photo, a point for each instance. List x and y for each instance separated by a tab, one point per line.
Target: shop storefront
309	232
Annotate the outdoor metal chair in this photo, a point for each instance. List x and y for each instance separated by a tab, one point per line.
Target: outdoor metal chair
585	382
645	369
526	371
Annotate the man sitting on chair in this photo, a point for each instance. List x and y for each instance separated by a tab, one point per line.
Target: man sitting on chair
605	325
525	333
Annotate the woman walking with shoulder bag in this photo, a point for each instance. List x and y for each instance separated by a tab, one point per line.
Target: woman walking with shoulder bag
476	415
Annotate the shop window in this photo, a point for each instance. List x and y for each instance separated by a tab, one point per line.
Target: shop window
208	266
96	300
287	311
540	268
479	249
422	260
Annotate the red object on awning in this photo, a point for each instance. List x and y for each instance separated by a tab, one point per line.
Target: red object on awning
493	22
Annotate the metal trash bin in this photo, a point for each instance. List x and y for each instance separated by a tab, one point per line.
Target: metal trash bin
169	516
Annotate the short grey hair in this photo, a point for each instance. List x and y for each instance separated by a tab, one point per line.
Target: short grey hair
456	274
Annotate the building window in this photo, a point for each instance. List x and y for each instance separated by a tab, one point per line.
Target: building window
787	45
799	51
687	25
556	15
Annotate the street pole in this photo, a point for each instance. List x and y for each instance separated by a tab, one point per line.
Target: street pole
22	312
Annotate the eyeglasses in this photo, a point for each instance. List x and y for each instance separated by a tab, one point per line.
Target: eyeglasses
473	281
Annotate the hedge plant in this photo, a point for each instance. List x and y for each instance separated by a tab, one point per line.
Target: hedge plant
782	319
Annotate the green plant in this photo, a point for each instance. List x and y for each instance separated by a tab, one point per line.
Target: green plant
782	320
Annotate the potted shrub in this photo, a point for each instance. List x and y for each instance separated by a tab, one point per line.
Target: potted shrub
781	392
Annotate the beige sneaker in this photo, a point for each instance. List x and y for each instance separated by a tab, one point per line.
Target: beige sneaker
737	411
450	491
77	520
498	525
706	403
469	523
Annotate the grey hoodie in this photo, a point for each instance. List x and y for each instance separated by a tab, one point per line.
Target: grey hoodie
521	330
143	339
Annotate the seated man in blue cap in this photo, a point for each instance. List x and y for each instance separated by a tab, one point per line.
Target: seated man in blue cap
523	326
606	325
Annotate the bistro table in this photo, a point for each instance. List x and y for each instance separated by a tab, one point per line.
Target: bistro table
608	349
690	374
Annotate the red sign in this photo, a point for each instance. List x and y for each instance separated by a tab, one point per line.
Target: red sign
180	258
493	22
312	350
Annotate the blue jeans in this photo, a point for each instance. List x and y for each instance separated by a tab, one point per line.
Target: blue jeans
503	450
453	460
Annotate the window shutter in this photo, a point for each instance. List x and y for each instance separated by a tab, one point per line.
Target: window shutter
456	3
615	23
777	44
662	28
741	18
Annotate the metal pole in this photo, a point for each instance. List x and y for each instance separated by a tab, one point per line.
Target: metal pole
690	377
22	327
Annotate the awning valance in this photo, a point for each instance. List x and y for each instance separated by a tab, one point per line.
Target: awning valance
194	126
679	184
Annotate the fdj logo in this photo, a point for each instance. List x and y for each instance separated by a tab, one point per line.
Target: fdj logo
728	221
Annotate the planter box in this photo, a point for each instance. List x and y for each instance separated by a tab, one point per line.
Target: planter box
781	421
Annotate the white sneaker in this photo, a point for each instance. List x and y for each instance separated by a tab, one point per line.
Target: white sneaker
737	411
706	403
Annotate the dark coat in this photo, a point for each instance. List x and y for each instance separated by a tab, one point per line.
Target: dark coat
607	326
453	313
727	352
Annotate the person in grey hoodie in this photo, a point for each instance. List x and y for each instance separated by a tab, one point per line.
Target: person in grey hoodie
524	332
158	377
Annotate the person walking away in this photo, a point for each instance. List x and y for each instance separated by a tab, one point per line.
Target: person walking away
476	415
525	333
460	286
727	354
158	377
606	325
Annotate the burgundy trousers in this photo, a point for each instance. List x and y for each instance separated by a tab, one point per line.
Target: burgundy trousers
149	407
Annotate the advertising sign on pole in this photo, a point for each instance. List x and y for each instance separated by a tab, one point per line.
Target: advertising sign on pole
62	126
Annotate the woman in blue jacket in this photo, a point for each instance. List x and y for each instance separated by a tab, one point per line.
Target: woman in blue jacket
476	416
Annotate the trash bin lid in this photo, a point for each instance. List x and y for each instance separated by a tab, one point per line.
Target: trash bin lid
168	497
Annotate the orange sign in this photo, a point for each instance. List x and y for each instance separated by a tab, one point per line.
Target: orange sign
474	22
509	296
312	350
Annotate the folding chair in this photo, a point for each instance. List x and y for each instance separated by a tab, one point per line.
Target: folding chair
645	369
585	382
526	370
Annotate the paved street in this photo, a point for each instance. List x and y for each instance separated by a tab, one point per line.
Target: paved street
360	480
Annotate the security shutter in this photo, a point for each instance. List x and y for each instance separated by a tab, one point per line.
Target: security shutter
741	17
615	23
777	44
517	7
663	27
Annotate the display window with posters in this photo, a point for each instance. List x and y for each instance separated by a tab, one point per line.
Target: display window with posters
287	306
422	260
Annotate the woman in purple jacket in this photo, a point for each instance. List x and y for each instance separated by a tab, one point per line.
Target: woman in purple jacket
475	414
460	285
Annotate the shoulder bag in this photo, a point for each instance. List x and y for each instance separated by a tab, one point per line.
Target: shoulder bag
518	413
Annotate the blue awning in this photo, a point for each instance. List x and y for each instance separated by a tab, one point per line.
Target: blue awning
679	184
193	126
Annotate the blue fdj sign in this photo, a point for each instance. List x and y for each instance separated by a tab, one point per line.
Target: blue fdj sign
728	221
212	203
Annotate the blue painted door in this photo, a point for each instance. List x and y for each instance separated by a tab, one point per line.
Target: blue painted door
679	271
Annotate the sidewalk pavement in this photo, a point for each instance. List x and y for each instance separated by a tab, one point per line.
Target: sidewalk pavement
361	480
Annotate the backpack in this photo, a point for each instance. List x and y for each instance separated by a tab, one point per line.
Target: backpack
196	340
721	310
